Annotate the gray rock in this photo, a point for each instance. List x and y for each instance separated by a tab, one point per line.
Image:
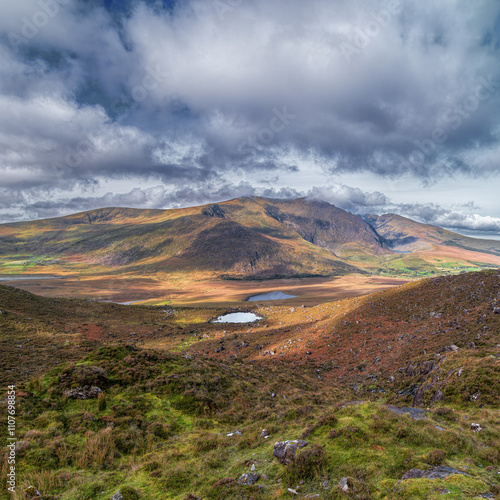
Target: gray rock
86	392
264	433
248	479
31	492
415	413
441	472
445	491
344	484
475	396
349	403
284	451
252	468
475	428
326	484
117	496
450	348
292	491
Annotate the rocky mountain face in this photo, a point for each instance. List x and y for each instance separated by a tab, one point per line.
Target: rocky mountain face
325	225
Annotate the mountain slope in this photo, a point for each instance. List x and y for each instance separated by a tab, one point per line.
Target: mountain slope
207	239
403	234
241	238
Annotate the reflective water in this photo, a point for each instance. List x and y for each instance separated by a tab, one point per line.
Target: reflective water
239	317
271	296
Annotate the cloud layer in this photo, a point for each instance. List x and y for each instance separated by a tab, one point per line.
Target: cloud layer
194	95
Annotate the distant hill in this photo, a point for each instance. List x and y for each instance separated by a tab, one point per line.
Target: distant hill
241	238
402	234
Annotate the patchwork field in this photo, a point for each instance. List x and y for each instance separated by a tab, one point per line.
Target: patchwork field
309	291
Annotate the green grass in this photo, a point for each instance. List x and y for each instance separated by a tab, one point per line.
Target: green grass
160	431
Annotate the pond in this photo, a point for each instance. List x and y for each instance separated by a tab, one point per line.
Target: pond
238	317
271	296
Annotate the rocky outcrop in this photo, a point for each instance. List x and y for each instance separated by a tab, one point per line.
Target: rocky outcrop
86	392
214	211
284	451
248	479
32	492
344	485
441	472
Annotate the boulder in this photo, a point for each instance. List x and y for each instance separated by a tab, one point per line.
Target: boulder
117	496
441	472
344	484
86	392
449	348
475	428
284	451
248	479
32	492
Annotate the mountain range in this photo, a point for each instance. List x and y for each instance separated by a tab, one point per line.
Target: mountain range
244	238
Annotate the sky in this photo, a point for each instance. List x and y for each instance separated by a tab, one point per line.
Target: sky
376	106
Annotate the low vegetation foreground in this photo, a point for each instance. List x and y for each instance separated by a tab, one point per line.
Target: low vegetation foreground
393	395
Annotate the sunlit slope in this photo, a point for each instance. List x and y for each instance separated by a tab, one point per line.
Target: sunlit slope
431	248
241	238
229	239
400	233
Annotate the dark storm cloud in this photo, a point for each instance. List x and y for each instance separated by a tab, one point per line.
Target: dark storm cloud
187	92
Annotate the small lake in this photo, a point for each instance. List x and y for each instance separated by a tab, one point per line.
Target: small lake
239	317
271	296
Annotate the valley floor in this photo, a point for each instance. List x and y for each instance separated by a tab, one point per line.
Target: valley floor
177	290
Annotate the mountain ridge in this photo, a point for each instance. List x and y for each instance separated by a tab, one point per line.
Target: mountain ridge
253	237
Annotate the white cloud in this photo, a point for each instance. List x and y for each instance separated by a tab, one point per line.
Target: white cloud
95	95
